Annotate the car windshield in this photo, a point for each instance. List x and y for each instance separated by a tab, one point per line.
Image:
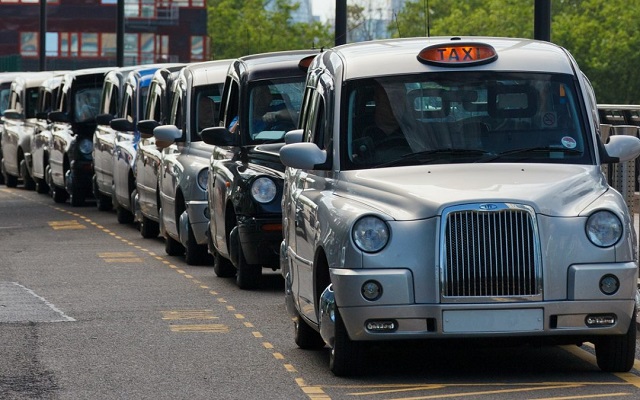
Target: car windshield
465	117
87	104
274	107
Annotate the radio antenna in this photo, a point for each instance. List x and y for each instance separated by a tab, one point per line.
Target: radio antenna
427	19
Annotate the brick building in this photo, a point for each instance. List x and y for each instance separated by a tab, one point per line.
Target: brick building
82	33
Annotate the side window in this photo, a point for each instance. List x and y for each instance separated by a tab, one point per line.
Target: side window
176	117
230	100
31	103
15	103
314	129
127	104
153	107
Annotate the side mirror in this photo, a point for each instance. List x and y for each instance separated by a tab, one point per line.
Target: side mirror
166	135
13	114
59	116
623	147
302	155
220	136
294	136
103	119
146	127
122	125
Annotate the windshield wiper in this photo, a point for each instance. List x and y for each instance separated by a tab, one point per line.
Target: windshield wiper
536	149
426	153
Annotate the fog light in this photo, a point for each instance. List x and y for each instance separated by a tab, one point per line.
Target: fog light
609	284
596	320
381	325
371	290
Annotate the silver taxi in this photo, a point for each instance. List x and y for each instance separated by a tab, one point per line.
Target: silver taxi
182	177
452	188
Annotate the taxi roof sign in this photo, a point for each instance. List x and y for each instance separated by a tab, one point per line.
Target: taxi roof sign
458	54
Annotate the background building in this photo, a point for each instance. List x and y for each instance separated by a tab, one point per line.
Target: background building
82	33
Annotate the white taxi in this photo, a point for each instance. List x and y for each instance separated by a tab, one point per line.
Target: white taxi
451	187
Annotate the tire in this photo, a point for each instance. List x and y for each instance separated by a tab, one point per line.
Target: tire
617	353
194	253
149	229
11	181
305	336
28	182
41	186
172	247
345	358
222	267
247	276
103	202
123	215
47	178
59	194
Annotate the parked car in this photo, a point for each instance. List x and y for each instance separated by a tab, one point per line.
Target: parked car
261	101
104	137
19	127
5	89
182	178
622	114
38	162
74	122
148	156
135	95
452	188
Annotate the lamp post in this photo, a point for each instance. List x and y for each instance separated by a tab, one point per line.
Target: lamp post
42	60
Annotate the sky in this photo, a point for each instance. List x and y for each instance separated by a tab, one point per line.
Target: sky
325	9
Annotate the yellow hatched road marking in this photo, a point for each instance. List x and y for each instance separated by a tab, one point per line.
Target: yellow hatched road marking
187	314
209	328
121	257
60	225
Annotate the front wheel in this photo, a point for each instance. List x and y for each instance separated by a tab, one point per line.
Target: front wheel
222	267
59	194
305	336
617	353
148	228
346	355
194	253
123	215
28	181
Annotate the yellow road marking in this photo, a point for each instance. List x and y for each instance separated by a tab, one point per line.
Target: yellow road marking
209	328
267	345
290	368
187	314
592	396
123	257
257	334
61	225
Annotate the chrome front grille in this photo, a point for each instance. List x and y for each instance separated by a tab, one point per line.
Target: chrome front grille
490	251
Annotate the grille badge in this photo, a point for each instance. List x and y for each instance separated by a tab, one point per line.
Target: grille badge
487	207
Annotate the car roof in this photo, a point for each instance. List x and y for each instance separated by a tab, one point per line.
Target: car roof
272	65
208	72
400	56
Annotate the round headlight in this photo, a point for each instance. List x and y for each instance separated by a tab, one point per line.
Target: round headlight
85	146
604	228
203	177
370	234
263	190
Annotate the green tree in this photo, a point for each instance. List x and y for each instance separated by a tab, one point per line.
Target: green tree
241	27
600	34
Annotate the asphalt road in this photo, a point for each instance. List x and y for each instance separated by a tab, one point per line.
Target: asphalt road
91	310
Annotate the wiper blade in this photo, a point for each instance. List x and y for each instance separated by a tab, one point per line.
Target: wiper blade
536	149
426	153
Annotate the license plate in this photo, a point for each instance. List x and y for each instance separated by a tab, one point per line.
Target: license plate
477	321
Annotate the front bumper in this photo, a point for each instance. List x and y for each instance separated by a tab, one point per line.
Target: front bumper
497	318
260	239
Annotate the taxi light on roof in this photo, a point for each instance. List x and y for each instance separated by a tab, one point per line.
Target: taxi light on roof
306	62
459	54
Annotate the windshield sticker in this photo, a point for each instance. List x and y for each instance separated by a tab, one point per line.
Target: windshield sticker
568	142
550	120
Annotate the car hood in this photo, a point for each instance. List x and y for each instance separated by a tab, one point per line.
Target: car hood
408	193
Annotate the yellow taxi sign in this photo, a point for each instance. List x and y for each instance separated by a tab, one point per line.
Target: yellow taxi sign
459	54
